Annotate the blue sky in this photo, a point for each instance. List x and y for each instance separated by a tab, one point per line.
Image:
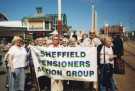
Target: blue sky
78	11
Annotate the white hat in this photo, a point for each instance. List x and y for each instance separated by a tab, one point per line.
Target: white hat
54	32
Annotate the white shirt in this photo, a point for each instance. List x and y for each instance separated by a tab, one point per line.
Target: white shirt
96	41
91	42
19	56
87	43
108	55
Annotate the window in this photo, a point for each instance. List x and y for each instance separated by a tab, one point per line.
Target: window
46	25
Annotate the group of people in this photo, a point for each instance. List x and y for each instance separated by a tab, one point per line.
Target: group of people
18	56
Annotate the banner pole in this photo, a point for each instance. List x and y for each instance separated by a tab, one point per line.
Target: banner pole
38	87
35	79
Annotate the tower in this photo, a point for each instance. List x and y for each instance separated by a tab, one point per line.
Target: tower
94	20
59	17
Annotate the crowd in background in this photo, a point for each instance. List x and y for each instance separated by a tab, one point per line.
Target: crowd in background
17	52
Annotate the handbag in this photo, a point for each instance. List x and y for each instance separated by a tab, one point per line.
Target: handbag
119	66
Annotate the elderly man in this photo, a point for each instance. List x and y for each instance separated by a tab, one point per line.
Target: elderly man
94	40
55	41
56	85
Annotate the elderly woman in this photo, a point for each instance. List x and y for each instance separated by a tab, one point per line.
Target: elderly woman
17	62
105	59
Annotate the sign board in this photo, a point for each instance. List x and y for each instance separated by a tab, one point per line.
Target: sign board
66	63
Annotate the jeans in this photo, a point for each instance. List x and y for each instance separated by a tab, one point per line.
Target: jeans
10	80
17	80
106	80
113	86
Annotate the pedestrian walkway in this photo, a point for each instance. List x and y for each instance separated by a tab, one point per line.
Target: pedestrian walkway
126	82
2	82
129	53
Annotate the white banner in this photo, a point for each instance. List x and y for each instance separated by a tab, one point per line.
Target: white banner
74	63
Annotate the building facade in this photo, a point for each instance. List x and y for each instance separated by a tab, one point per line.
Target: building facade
38	25
112	30
8	29
54	18
43	25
